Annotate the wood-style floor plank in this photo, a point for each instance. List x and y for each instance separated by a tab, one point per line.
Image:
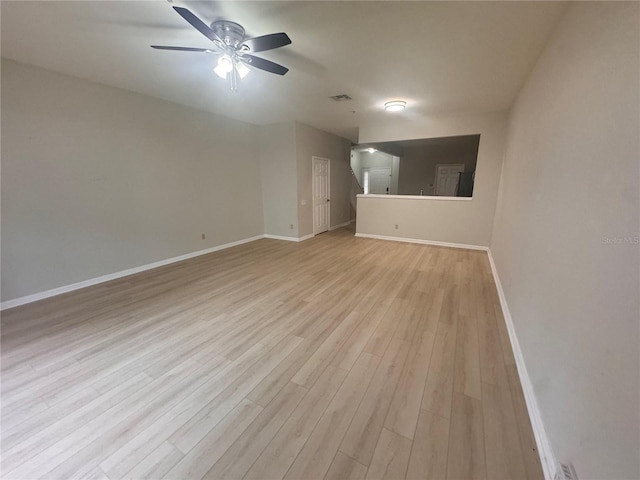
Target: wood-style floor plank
466	375
316	456
430	446
466	457
277	457
335	358
360	440
345	468
237	460
438	389
390	458
502	444
402	417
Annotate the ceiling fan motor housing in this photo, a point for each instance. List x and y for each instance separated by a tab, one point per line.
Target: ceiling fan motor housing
231	33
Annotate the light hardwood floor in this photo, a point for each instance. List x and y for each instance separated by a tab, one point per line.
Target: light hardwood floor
335	358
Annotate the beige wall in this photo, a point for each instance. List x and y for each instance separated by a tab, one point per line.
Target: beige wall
570	188
312	142
97	180
277	154
458	221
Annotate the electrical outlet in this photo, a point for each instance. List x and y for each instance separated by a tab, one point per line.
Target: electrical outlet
203	236
396	226
292	226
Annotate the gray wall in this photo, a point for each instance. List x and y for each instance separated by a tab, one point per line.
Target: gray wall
96	180
467	221
312	142
277	153
569	194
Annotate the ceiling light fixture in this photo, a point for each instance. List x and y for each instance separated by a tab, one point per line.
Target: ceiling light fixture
235	50
224	66
242	69
395	106
230	66
371	150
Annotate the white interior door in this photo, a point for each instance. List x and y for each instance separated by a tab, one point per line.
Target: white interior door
447	177
320	183
379	180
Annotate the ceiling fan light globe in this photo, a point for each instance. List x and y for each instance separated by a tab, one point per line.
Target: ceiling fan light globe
225	64
221	72
242	69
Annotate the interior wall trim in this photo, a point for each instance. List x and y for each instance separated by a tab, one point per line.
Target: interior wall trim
288	239
281	237
34	297
547	457
424	242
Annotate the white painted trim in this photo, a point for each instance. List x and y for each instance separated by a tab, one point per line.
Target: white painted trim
424	242
335	227
281	237
416	197
547	457
289	239
313	196
123	273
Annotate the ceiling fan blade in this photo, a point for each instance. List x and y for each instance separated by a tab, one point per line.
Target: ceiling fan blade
267	42
263	64
183	49
198	24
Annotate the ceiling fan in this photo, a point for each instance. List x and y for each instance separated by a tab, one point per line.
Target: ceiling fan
235	51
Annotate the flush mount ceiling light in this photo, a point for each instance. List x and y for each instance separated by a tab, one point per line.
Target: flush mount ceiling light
395	106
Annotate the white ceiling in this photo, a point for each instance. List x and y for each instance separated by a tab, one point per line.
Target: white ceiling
442	57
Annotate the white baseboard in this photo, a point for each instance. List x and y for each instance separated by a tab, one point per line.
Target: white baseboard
547	458
335	227
289	239
123	273
423	242
281	237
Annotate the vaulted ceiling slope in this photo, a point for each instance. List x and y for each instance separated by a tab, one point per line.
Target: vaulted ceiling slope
442	57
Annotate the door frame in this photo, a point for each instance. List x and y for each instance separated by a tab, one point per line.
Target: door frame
313	196
435	190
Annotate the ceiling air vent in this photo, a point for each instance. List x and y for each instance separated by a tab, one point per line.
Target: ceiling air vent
341	98
565	472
